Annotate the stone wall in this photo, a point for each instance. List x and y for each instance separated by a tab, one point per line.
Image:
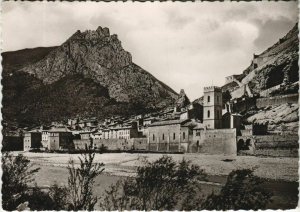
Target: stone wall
269	145
112	144
277	100
219	141
139	143
81	143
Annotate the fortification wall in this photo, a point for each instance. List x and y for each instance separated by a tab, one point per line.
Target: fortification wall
269	145
112	144
277	100
139	143
81	143
219	141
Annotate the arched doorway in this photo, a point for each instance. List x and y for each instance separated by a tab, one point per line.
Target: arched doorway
240	144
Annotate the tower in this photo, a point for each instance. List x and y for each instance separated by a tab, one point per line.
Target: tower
212	107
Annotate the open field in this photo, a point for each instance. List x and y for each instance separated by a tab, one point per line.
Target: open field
281	173
125	164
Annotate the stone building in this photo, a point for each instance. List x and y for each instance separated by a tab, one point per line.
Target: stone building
45	138
32	139
60	138
212	107
231	120
170	136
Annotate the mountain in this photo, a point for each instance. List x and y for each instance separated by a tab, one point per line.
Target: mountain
90	74
277	65
274	72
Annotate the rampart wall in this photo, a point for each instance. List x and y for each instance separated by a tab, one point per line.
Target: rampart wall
269	145
219	141
277	100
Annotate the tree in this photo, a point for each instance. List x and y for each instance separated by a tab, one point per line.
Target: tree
81	182
242	191
160	185
17	174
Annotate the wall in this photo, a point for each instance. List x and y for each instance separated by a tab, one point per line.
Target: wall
277	100
81	143
266	92
112	144
139	143
243	105
270	145
219	141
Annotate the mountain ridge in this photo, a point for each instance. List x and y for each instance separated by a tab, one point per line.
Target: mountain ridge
94	55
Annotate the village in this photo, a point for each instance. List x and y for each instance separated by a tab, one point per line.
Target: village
211	127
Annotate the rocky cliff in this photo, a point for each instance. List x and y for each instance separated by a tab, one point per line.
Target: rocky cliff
277	65
90	73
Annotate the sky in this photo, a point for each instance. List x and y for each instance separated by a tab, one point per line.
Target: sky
186	45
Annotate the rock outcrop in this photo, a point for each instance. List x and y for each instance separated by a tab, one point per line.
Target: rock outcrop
91	71
99	56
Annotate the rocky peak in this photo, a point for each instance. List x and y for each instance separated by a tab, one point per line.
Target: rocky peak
182	100
98	55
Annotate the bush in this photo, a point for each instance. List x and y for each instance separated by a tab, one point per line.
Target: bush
17	174
160	185
81	182
242	191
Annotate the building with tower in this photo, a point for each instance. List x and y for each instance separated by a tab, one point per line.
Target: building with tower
212	107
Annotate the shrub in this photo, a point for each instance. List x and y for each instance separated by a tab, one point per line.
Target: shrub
81	182
160	185
17	174
242	191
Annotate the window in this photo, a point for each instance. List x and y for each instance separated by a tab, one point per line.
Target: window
173	136
163	136
183	135
208	114
208	99
217	99
153	137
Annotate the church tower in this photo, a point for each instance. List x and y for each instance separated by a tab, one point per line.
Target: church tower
212	107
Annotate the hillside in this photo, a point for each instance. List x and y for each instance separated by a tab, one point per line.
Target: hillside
274	69
89	75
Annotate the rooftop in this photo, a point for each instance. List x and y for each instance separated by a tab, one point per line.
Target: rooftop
169	122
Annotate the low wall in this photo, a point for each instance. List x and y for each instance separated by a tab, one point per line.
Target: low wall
277	100
219	141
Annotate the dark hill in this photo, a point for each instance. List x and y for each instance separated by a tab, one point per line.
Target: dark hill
88	75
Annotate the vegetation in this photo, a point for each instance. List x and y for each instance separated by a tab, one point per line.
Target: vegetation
81	181
17	174
242	190
167	185
160	185
78	195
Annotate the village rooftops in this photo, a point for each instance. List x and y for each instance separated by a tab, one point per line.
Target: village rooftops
169	122
60	130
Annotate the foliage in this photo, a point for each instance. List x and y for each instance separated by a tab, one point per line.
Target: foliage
59	195
17	174
159	185
242	191
81	182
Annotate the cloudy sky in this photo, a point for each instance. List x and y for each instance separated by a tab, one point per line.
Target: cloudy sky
185	45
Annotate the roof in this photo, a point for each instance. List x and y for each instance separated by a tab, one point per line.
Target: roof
59	130
199	126
169	122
